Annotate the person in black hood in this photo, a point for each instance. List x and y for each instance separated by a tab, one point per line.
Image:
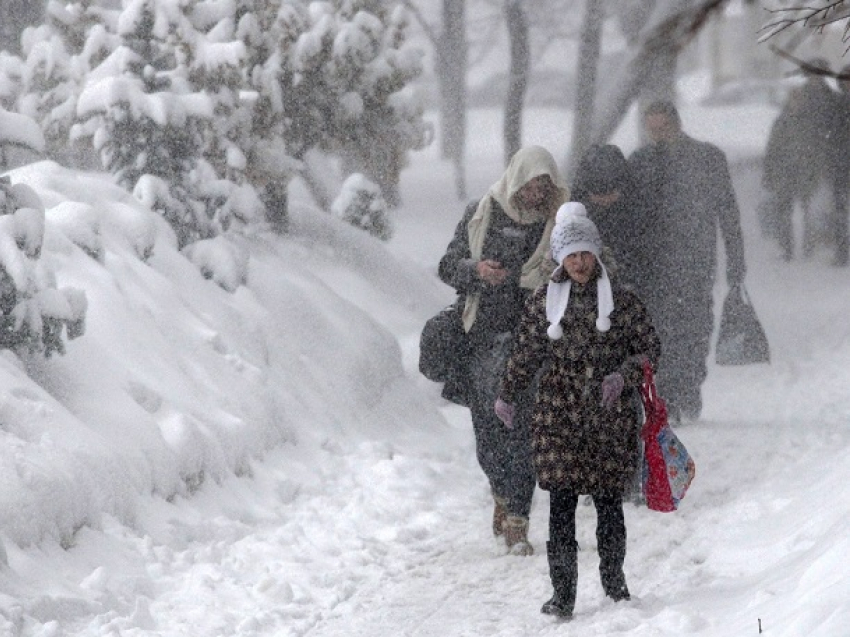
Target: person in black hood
603	184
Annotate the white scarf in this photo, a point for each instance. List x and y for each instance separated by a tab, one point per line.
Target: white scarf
558	298
525	165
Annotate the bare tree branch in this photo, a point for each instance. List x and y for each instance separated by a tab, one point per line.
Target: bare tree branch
806	66
680	28
815	18
672	29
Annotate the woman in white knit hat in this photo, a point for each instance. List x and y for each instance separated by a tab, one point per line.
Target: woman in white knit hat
590	338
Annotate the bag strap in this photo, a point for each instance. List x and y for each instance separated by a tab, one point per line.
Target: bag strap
745	295
647	390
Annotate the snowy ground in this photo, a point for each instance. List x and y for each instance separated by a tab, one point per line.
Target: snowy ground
269	462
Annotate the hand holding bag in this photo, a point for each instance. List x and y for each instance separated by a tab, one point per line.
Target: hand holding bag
741	339
668	468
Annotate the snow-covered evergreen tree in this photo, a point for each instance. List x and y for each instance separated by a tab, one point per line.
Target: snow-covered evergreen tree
35	316
205	109
345	86
48	95
56	57
213	60
266	30
143	117
381	119
12	71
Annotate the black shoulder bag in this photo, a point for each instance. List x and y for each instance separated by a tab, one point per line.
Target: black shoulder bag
444	353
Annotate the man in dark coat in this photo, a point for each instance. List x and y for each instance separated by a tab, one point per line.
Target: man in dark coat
498	255
684	193
803	151
841	190
589	337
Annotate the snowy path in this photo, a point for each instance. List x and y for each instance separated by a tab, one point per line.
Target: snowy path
323	565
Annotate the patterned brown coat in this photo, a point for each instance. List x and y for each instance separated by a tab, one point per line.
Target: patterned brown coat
578	445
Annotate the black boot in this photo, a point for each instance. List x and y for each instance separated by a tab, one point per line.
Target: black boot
611	560
563	571
611	540
614	583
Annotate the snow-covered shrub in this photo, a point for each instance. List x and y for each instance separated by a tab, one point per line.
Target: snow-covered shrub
361	204
186	216
134	226
11	79
33	312
220	260
80	223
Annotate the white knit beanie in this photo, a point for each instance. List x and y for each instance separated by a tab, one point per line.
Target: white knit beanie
575	232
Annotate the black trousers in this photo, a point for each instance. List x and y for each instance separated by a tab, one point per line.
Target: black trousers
610	525
684	325
504	454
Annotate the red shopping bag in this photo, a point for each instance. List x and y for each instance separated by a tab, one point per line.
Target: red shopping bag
668	468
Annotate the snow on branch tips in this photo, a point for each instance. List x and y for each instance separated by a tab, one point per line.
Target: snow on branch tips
361	204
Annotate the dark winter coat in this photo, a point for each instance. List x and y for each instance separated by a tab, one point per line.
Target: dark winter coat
684	194
578	445
508	242
841	141
603	170
805	142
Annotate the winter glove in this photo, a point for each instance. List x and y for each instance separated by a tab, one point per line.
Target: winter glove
505	412
612	387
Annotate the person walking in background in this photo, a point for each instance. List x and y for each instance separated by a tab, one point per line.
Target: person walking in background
684	193
603	184
590	338
499	253
841	176
802	152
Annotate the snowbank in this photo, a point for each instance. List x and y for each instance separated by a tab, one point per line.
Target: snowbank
178	381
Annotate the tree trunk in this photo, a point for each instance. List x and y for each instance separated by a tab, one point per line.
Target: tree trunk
275	197
667	28
660	82
588	61
518	78
451	70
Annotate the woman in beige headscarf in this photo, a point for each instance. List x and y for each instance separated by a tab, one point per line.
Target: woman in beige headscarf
498	255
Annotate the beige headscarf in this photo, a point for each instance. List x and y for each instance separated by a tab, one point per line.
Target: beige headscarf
525	165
